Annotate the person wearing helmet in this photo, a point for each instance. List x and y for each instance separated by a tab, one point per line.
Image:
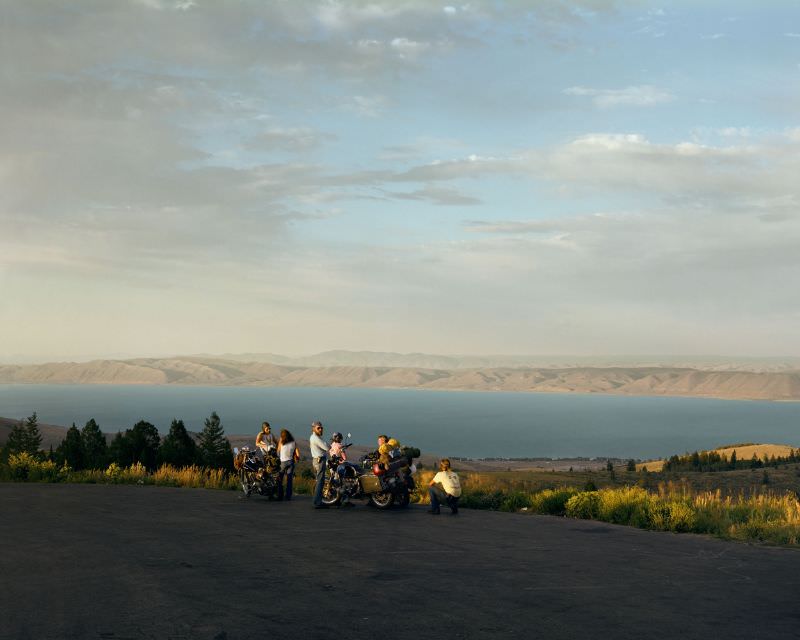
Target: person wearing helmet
338	449
445	487
336	446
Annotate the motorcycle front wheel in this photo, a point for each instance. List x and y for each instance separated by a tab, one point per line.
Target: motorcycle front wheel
330	495
246	482
382	499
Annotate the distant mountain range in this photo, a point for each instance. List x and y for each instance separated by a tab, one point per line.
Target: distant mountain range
261	370
342	358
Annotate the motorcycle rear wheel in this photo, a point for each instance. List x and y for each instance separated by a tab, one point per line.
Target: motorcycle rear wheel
382	499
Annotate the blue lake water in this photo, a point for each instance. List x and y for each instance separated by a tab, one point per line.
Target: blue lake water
474	424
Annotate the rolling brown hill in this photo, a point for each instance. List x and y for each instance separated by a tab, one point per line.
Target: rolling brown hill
661	381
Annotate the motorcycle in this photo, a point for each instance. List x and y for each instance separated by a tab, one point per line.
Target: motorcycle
368	479
255	474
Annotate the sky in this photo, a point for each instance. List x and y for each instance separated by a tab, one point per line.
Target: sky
592	178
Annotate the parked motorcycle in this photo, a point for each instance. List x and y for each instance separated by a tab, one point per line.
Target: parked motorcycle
257	474
381	487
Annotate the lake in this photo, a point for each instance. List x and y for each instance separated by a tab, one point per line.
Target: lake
456	423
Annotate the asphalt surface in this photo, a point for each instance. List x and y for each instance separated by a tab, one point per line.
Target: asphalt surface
126	562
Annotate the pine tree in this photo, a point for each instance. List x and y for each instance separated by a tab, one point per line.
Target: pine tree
631	466
143	440
25	437
178	447
733	459
71	448
95	448
213	447
32	434
119	450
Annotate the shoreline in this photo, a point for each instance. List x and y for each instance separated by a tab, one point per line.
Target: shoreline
198	385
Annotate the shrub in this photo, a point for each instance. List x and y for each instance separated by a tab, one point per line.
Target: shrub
515	501
585	504
628	505
26	467
552	501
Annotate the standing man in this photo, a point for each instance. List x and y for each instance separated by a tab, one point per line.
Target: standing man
319	456
445	487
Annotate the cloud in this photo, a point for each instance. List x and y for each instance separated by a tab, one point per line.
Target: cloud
366	106
633	96
438	195
293	139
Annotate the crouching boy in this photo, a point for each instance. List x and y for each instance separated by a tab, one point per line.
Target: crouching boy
445	487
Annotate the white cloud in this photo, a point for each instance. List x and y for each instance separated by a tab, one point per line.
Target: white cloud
366	106
635	96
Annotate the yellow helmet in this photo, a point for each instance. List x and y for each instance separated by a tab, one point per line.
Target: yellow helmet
393	443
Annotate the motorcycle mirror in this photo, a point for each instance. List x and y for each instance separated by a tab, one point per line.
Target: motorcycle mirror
349	435
236	451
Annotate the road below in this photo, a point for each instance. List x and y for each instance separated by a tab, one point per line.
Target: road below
128	562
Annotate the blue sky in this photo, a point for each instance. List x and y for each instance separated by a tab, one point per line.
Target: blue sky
593	177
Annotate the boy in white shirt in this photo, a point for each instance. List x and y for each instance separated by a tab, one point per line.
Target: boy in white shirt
445	487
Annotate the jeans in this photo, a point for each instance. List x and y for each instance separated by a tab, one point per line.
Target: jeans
439	495
287	469
319	469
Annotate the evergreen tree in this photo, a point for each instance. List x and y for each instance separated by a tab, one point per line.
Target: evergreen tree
25	437
178	447
631	466
34	437
143	441
733	459
95	448
71	448
120	450
214	448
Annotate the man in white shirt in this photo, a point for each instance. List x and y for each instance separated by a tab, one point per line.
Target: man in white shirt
319	456
445	487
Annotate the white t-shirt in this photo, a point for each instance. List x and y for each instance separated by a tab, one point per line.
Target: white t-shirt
287	451
450	482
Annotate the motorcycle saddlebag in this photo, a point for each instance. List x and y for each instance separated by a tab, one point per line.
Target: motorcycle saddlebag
369	483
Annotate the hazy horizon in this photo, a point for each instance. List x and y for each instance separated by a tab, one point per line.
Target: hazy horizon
22	359
594	177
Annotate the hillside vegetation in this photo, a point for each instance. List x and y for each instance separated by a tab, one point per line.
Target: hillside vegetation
743	452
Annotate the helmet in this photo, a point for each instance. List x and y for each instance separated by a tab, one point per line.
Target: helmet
393	443
336	437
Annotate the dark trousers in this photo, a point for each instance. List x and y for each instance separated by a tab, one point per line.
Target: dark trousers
287	470
319	469
439	495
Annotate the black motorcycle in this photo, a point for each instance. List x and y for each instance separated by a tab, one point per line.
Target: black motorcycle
255	474
368	479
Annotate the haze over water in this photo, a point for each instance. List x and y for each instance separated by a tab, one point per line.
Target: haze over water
470	424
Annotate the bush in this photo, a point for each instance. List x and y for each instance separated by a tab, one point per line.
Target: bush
515	501
23	467
585	504
629	505
552	501
671	515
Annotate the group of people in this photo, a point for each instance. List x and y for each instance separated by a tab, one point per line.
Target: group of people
444	487
288	454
